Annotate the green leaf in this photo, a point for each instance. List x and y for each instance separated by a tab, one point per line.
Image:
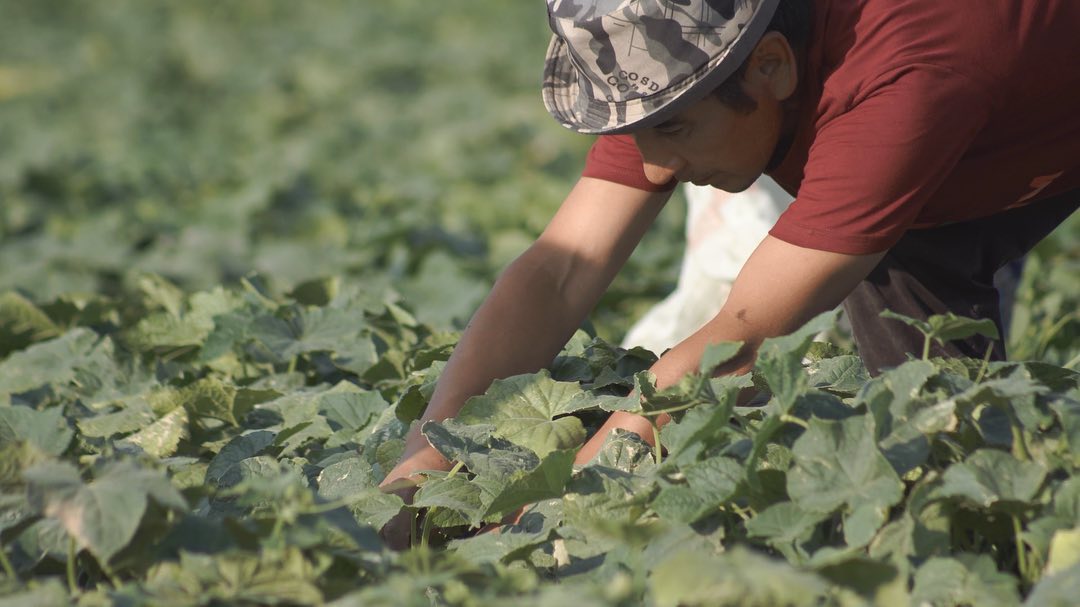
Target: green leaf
779	360
988	476
162	437
46	430
949	327
476	446
525	410
532	530
351	408
844	374
22	323
135	415
299	331
352	480
210	397
784	523
1064	551
103	515
701	425
53	362
547	480
237	450
455	493
718	354
964	580
838	464
1057	590
625	451
739	577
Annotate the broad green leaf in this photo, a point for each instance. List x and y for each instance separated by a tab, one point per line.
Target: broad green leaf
476	446
533	529
54	362
783	523
838	464
625	451
949	327
135	415
738	577
22	323
718	354
545	481
988	476
779	360
237	450
1057	590
715	479
214	398
162	437
46	430
964	580
844	374
352	481
701	425
680	504
104	514
175	328
525	410
351	408
600	496
456	493
298	331
50	592
1064	551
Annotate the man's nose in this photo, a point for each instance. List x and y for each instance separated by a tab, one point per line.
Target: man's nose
661	165
663	170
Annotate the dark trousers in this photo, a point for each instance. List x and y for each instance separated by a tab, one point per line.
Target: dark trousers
946	269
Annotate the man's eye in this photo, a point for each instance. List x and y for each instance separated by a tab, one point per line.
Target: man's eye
674	130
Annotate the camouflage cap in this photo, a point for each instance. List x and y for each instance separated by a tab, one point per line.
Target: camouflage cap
618	65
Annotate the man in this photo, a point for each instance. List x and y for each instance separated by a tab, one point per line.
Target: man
926	143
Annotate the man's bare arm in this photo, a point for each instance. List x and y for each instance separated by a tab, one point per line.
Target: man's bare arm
538	301
780	288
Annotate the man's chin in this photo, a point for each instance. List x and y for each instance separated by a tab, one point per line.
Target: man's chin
731	184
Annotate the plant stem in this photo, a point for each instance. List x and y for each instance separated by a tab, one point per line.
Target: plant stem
659	412
454	470
791	419
985	363
926	348
1019	444
657	449
1073	362
1021	555
8	569
412	528
426	533
73	585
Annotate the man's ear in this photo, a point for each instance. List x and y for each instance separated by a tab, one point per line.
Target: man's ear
773	66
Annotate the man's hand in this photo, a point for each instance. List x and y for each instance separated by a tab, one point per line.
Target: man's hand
403	481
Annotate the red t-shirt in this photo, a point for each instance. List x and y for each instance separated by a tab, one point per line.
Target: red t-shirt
917	113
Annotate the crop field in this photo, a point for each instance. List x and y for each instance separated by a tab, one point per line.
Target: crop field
238	241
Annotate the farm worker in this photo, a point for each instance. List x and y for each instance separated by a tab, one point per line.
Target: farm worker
926	144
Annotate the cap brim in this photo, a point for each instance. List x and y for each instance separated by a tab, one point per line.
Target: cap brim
567	95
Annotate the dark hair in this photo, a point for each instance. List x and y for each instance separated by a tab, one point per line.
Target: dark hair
793	19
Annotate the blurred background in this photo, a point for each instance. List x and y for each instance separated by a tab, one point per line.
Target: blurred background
400	146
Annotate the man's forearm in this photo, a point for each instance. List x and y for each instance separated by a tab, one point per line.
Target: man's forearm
520	328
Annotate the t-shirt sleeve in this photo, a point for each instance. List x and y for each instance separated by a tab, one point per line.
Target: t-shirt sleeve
872	169
616	158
